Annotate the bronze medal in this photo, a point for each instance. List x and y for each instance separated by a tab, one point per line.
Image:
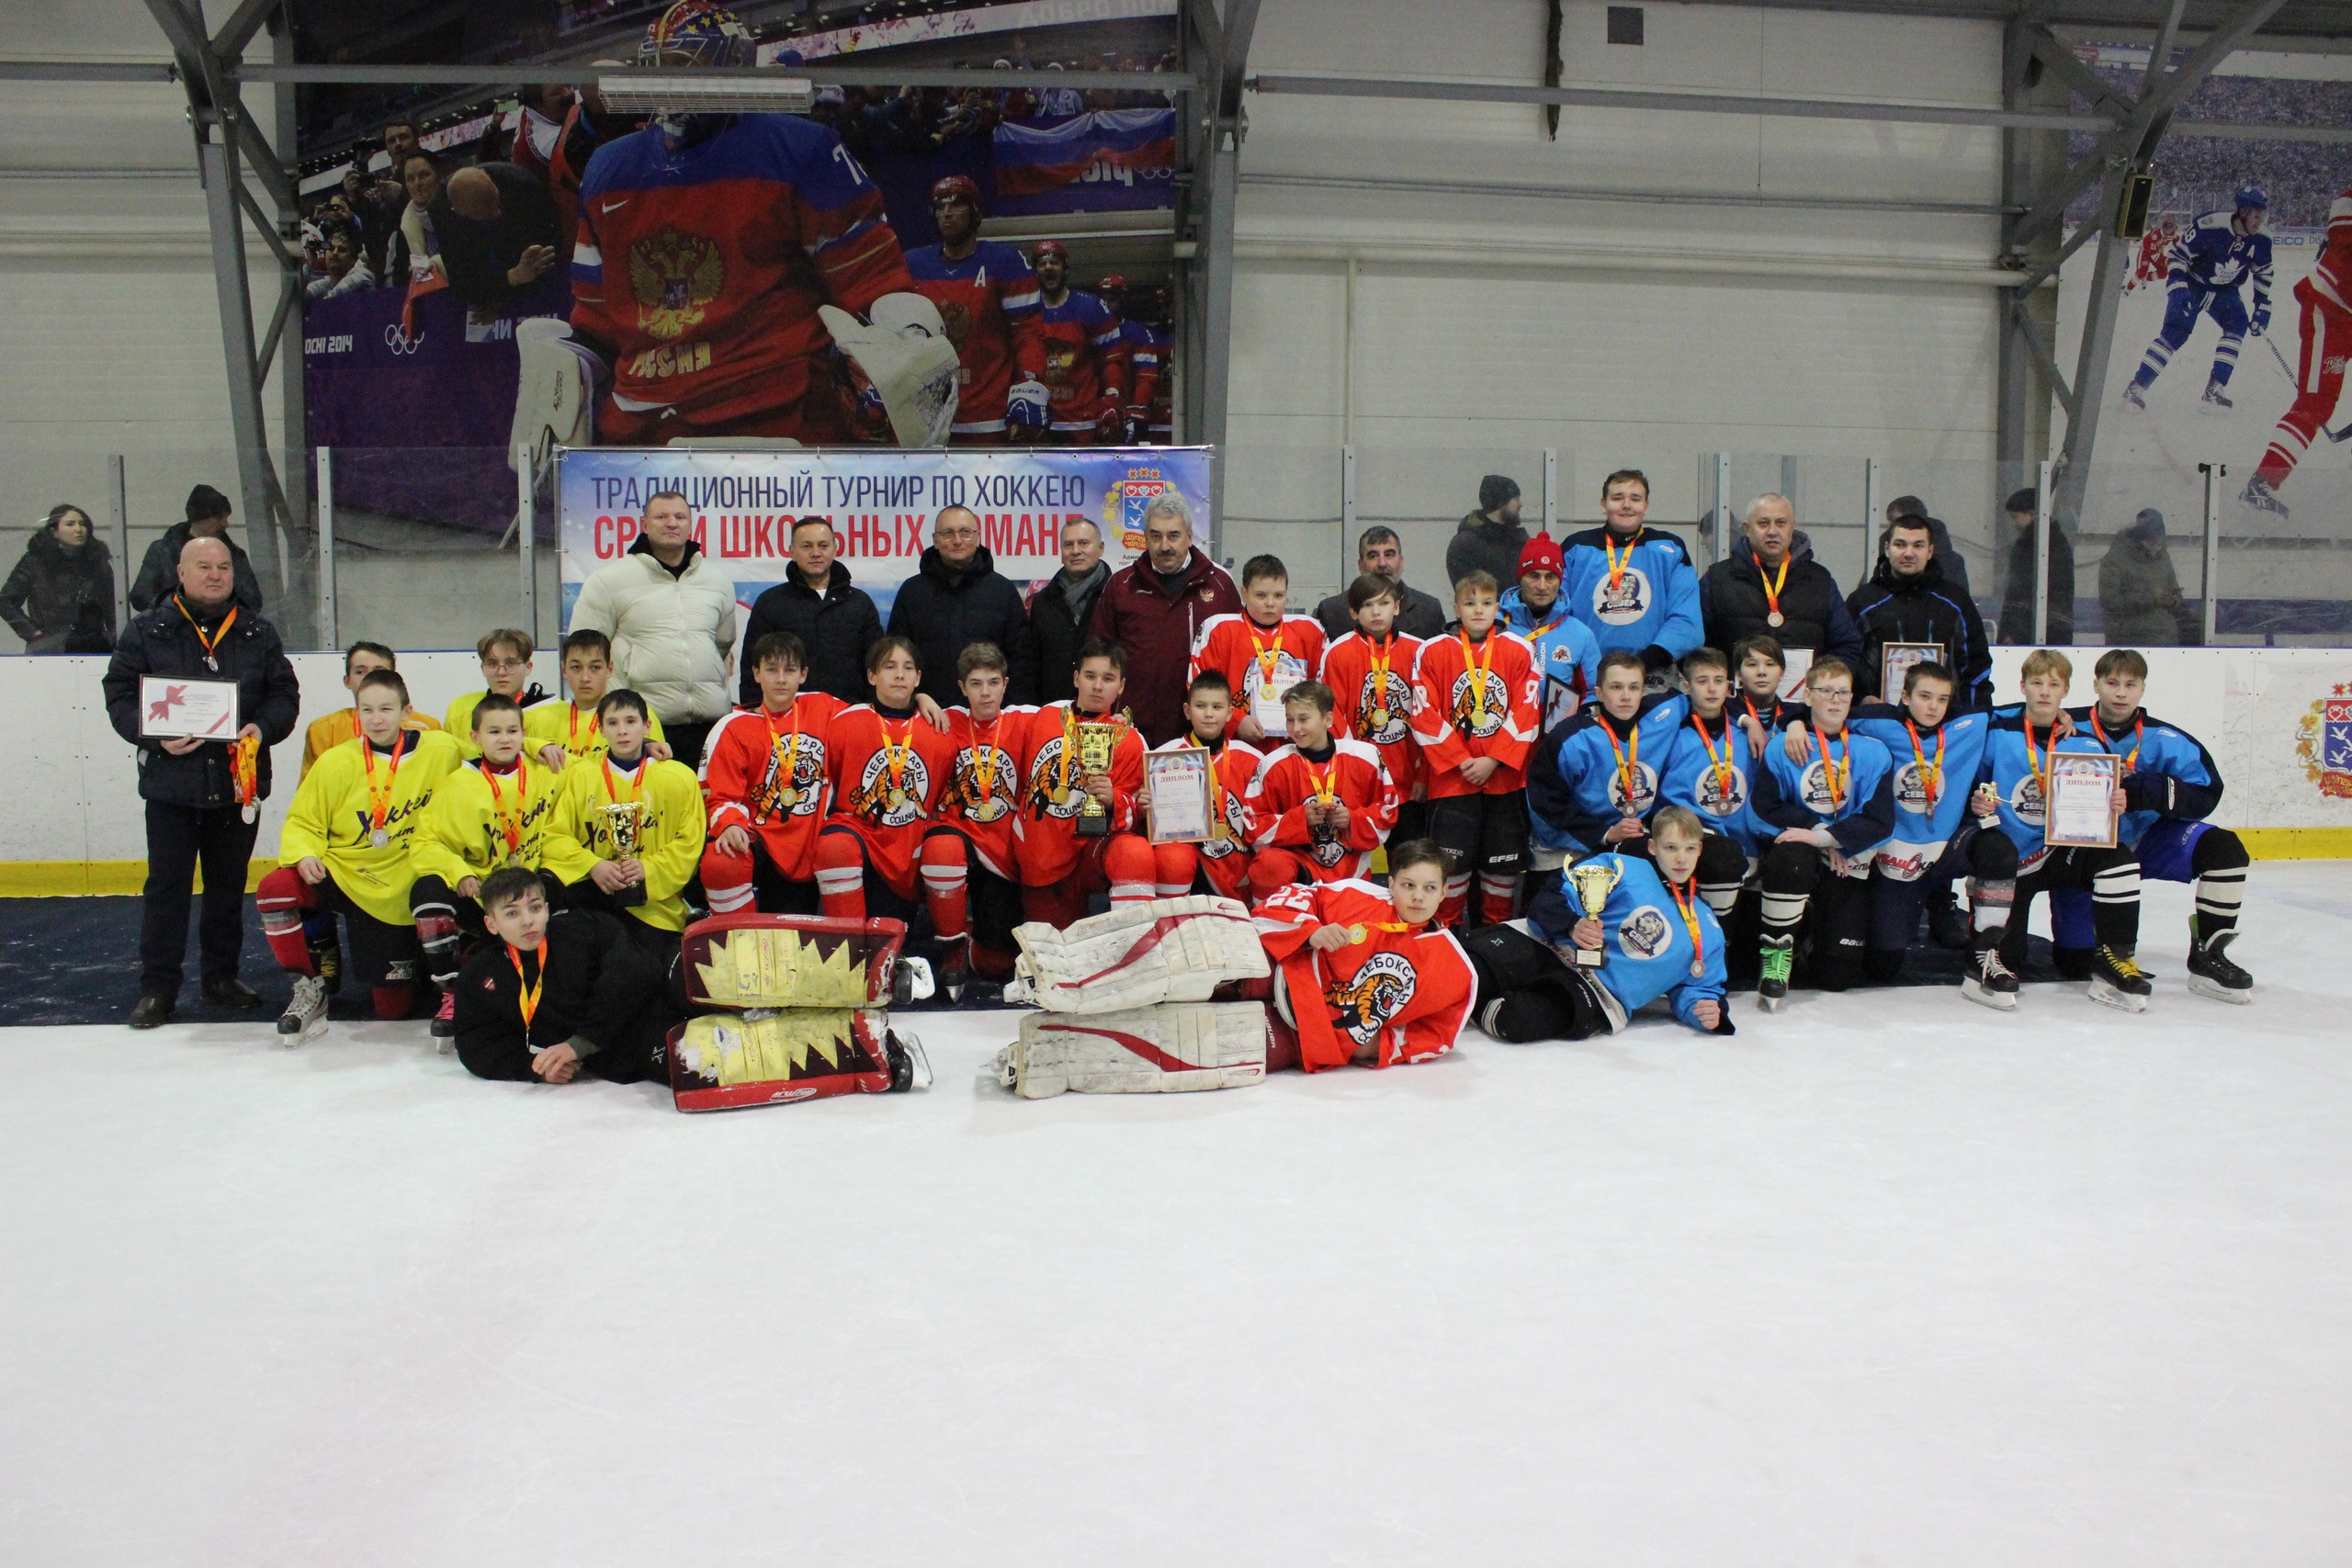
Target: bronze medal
1698	969
1773	619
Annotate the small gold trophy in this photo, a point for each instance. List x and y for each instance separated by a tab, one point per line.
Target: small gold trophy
1096	744
625	820
1593	883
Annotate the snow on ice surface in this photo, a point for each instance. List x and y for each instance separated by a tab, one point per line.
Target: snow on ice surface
1886	1279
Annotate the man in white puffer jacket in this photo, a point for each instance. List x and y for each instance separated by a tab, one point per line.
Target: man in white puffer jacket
670	612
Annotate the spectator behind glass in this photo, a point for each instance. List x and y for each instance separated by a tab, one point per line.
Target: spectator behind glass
498	232
2139	593
2017	583
346	270
61	597
416	248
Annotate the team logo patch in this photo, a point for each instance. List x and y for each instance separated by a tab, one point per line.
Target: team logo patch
1628	602
997	802
1911	789
1644	933
886	802
1044	784
2025	801
1378	992
1464	711
807	781
1718	799
1387	694
1813	788
1237	836
2323	744
1644	790
675	277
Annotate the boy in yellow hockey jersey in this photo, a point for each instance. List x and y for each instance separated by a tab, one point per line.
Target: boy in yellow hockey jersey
496	811
561	734
643	869
330	730
505	655
344	854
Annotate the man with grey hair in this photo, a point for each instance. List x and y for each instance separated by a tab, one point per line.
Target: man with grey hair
1766	587
1154	608
1381	553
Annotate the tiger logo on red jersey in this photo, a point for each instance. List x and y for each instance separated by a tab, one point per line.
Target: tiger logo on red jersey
887	802
1000	799
1376	993
1390	695
806	784
1466	713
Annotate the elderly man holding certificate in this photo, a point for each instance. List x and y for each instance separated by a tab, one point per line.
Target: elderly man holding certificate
201	686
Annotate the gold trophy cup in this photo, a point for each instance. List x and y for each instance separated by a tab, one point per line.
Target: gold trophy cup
1593	883
625	820
1096	744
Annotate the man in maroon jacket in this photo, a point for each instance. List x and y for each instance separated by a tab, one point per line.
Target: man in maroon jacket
1154	610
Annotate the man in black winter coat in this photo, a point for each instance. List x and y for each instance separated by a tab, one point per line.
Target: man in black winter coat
1948	556
208	518
1058	611
1379	553
604	1005
1490	538
2017	583
956	599
835	622
1767	588
1908	599
194	812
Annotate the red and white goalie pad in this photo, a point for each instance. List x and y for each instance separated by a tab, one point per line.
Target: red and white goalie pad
1169	950
1156	1050
724	1061
791	961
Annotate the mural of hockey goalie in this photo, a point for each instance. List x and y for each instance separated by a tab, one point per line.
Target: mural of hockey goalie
798	1009
721	261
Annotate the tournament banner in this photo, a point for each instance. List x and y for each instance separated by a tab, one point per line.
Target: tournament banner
880	501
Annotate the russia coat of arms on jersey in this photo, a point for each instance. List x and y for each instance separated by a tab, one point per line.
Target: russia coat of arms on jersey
2324	743
675	276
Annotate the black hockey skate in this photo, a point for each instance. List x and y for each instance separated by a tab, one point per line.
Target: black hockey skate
1989	982
1947	924
2262	498
1772	983
909	1065
2116	981
445	1023
2218	398
2210	973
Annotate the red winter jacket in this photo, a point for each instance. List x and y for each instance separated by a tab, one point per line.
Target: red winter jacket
1157	628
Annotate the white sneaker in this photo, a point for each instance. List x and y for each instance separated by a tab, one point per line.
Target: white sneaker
306	1015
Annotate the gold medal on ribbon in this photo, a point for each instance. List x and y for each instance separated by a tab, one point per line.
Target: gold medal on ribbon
897	799
1380	718
787	796
1356	935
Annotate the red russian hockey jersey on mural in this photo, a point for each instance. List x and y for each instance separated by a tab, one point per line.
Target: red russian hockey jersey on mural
989	303
1086	360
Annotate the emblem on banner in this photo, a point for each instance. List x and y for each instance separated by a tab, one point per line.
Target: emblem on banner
1123	508
2324	743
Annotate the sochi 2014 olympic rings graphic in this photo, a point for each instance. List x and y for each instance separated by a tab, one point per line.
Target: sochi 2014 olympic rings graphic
400	342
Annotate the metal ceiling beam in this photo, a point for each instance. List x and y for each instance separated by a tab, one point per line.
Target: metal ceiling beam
1694	103
514	73
1514	191
1214	131
85	71
2325	19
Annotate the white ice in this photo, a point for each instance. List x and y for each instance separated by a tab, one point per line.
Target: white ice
1886	1279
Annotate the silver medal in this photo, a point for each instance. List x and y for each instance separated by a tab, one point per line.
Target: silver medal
251	813
380	837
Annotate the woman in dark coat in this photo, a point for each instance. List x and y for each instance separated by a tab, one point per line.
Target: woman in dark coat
61	597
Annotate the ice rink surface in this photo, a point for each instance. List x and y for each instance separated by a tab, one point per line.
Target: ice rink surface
1886	1279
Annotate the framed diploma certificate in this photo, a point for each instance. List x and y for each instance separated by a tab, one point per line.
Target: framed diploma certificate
1793	673
2080	812
1895	660
173	709
1179	795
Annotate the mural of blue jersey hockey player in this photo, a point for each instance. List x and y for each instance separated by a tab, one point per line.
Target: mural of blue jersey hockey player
2213	260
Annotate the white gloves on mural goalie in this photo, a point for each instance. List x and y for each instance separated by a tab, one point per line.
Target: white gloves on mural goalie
555	394
1157	1049
906	357
1169	950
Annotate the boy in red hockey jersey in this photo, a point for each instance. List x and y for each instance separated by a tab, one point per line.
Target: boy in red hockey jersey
706	243
1225	860
2326	299
1370	671
1475	718
1086	356
1060	862
1361	973
982	801
988	299
764	780
1319	805
1261	652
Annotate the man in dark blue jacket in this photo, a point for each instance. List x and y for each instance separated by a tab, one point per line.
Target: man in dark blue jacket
955	599
197	809
1910	599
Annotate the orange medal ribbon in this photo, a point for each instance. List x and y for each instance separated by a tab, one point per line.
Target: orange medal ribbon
1722	763
379	804
244	753
511	825
896	752
1931	775
2139	737
1832	771
1384	655
612	780
1690	908
572	728
1269	653
211	644
1617	567
1325	787
1772	587
1629	762
2039	767
1479	674
528	998
984	760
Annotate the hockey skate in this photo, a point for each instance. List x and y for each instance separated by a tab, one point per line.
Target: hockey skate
2135	396
1772	984
2116	981
1989	983
909	1063
445	1023
953	971
2218	398
305	1012
1946	927
2262	498
2210	973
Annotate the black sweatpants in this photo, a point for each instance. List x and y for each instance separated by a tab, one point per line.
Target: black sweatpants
179	837
1526	991
1485	838
2110	877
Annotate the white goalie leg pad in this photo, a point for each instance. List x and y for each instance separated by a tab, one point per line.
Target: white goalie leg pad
906	354
1161	1050
1166	950
554	392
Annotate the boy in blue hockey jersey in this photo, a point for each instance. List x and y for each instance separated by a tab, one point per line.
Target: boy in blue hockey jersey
1830	811
2170	785
2213	257
1710	770
1588	788
1654	936
1942	831
2017	755
1632	588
